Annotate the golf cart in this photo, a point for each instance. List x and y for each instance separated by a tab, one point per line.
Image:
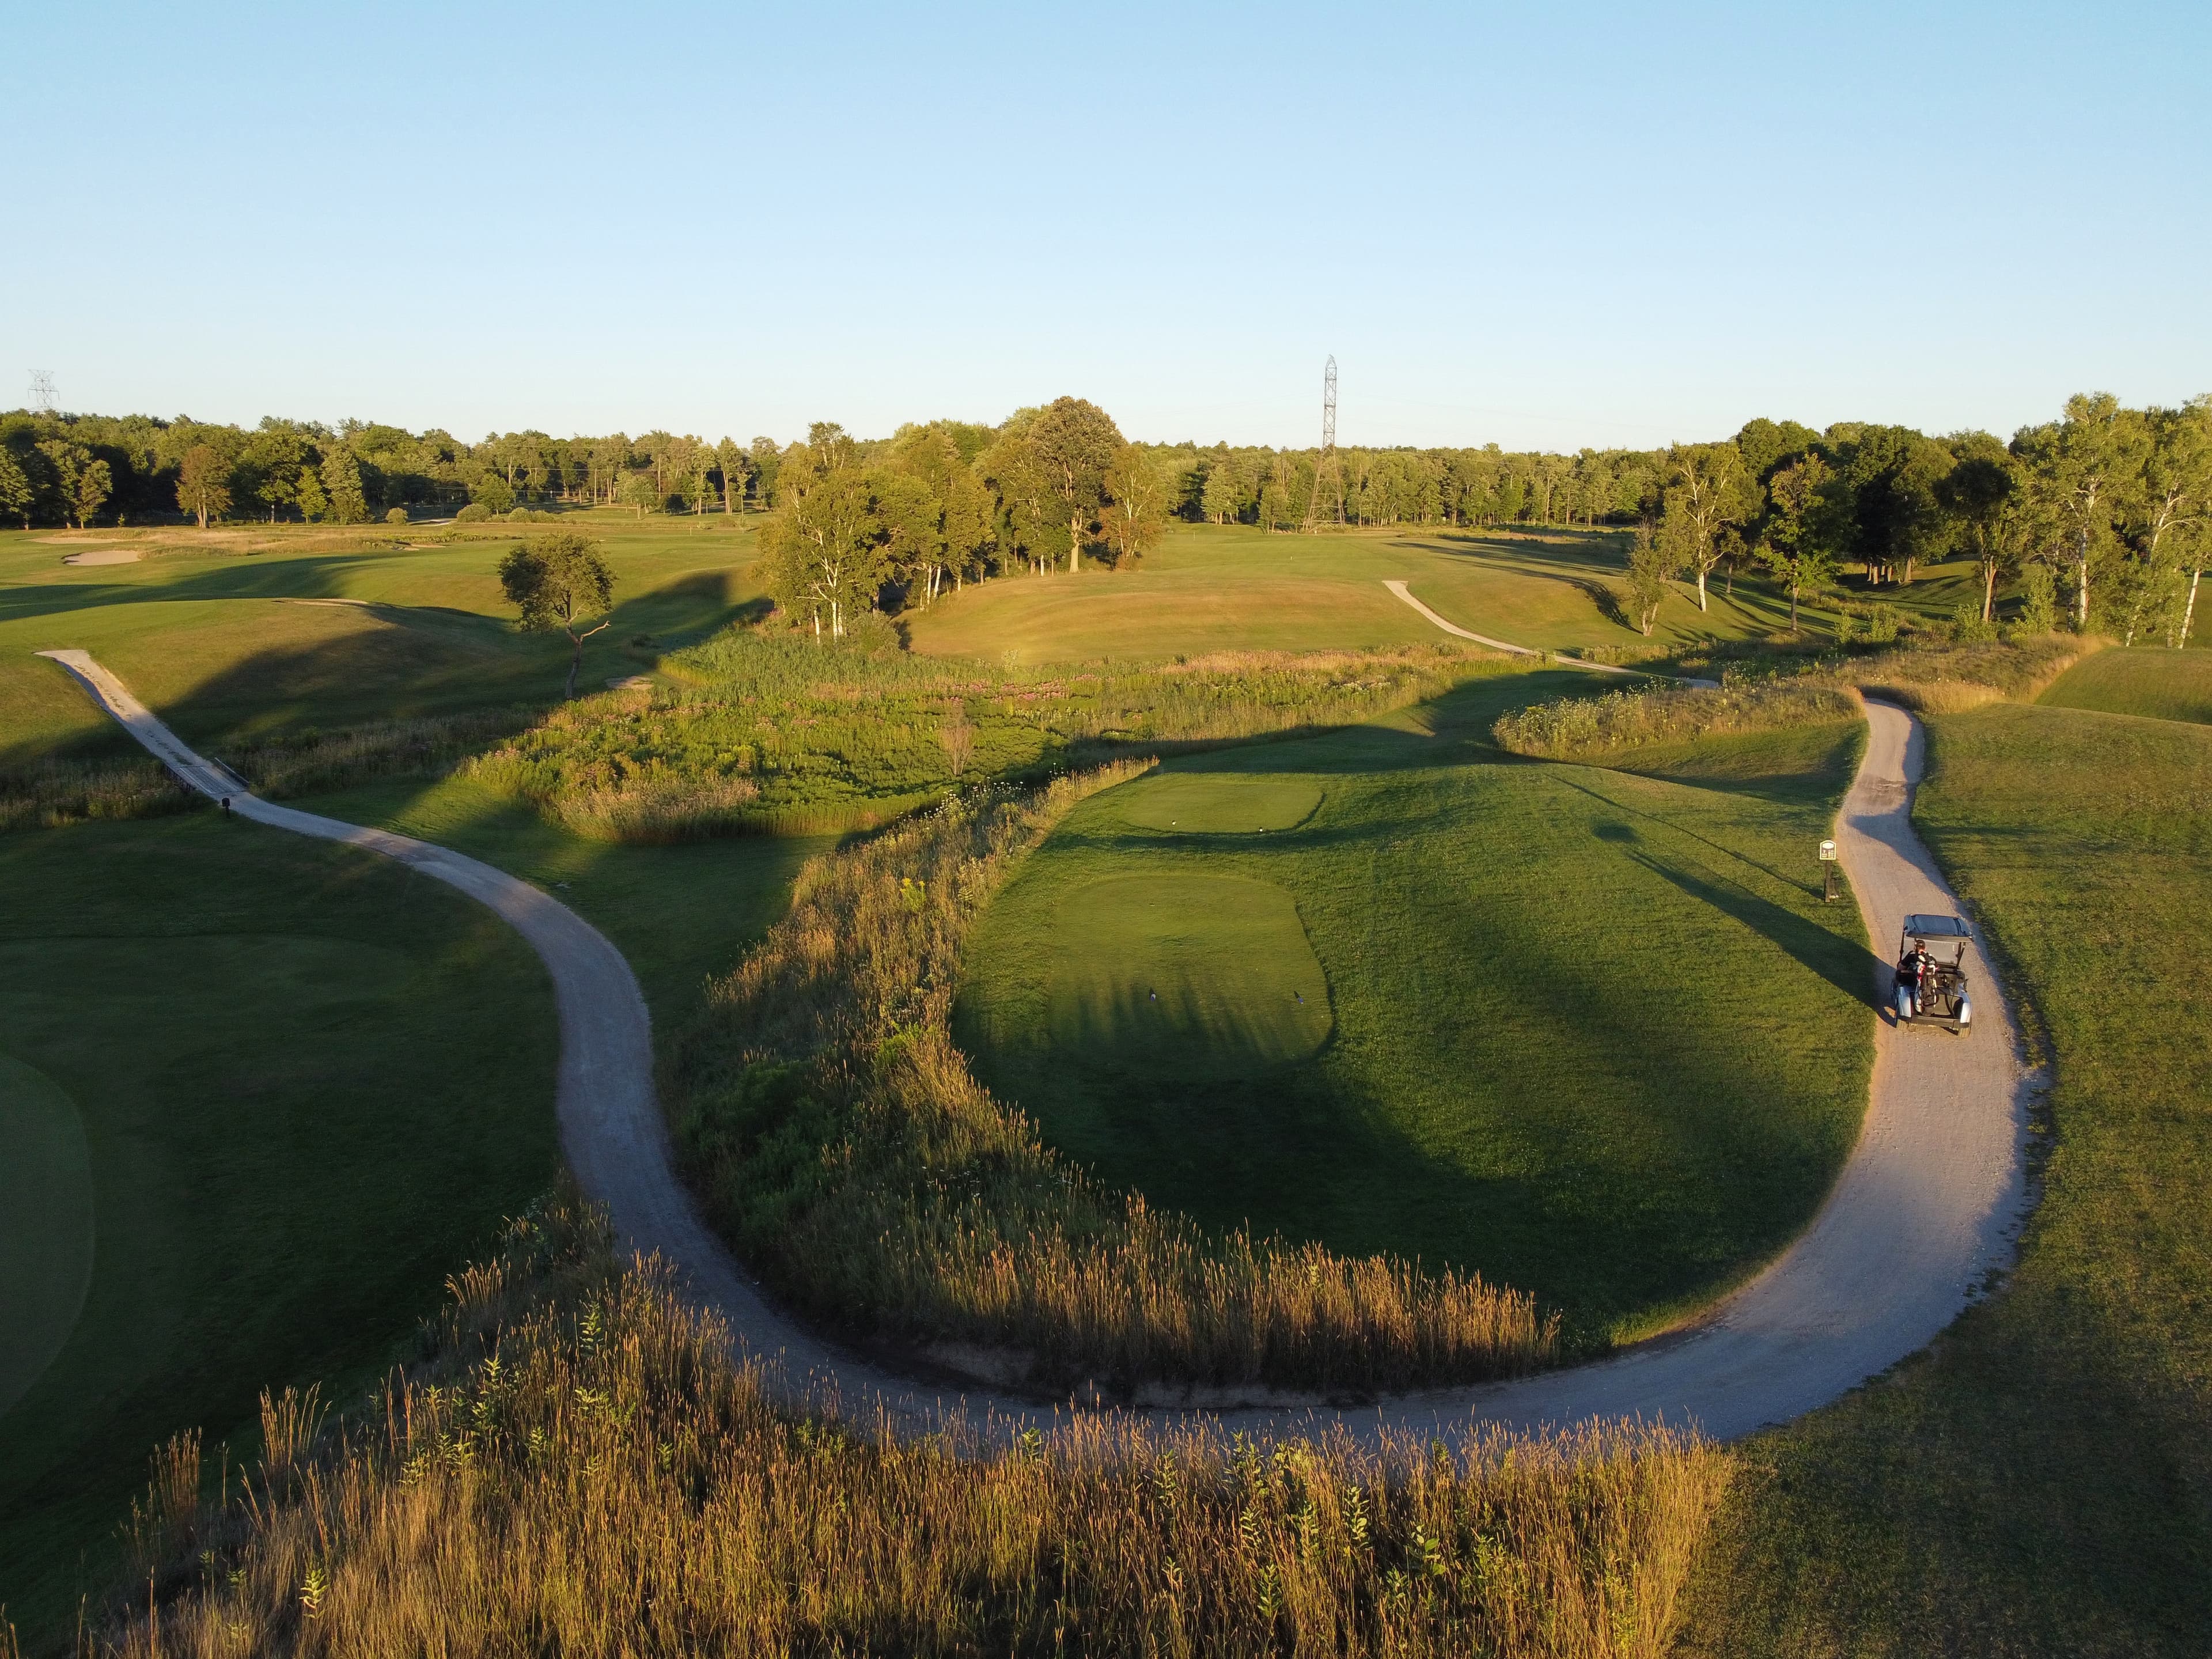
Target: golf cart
1931	988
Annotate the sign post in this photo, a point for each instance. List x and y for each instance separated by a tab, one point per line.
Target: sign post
1831	884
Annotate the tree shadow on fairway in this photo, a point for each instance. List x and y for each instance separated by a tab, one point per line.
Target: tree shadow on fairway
1848	966
1452	729
402	662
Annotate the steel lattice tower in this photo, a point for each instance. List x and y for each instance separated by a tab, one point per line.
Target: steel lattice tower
1326	505
42	391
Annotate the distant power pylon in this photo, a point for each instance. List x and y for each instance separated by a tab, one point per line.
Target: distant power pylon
42	392
1326	505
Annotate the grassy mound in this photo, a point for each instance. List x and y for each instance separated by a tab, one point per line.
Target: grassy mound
2167	686
842	1143
577	1468
2037	1483
1594	1035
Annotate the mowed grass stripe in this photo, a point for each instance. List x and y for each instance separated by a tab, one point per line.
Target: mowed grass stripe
1593	1034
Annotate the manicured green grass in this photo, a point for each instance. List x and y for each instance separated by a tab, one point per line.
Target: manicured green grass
1593	1033
2039	1481
309	1081
1232	587
2167	686
46	1224
245	636
1171	976
1220	803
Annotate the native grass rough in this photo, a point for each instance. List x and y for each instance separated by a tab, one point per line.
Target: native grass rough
780	735
839	1140
1793	689
577	1468
46	794
1579	728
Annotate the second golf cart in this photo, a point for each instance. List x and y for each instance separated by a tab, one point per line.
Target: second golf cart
1931	985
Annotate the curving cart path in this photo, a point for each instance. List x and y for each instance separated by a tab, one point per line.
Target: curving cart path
1924	1215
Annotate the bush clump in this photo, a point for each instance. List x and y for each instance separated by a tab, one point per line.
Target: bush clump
1578	728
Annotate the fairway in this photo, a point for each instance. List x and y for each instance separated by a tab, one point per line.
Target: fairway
255	631
2167	686
289	1086
1590	1033
1211	587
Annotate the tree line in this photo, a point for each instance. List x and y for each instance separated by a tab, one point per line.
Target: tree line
2101	518
951	502
86	468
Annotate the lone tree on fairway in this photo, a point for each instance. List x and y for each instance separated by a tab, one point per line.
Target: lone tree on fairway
558	581
204	484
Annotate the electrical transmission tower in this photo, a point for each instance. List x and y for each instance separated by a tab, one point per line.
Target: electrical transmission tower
42	392
1326	505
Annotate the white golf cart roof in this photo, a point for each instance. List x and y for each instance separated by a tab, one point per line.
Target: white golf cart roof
1936	927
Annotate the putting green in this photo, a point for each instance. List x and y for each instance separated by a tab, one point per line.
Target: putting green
45	1224
1219	802
1171	976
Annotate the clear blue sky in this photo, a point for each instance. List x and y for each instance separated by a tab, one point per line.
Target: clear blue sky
1544	226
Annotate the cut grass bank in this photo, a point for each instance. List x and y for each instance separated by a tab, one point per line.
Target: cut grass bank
1591	1035
2038	1482
2167	686
308	1081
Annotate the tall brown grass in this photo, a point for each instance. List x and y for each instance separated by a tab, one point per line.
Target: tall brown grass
46	794
588	1473
839	1140
1949	680
1784	688
301	762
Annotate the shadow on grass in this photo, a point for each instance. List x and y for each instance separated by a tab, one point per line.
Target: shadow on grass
1849	967
1564	1069
418	662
